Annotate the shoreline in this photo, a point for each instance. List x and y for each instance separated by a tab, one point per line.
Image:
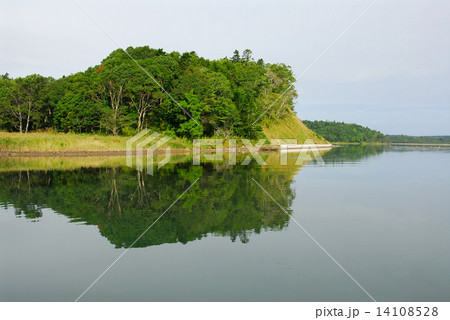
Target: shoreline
110	153
47	144
339	144
420	144
123	153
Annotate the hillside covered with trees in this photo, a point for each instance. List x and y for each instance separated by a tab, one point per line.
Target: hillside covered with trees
419	139
182	95
345	132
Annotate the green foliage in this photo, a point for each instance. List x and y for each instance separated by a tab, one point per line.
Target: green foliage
122	96
24	103
236	57
191	128
71	93
422	139
345	132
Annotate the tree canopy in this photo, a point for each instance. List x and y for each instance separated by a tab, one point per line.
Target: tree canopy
178	94
420	139
345	132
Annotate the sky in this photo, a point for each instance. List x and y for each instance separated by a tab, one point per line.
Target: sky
390	71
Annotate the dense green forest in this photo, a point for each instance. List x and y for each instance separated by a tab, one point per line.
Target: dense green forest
179	94
349	132
345	132
422	139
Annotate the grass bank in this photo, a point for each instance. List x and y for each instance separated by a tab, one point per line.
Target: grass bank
70	142
79	144
291	127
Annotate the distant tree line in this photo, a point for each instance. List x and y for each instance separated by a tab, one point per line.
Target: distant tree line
119	96
422	139
345	132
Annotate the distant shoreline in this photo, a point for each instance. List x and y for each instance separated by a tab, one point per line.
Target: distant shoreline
421	144
389	144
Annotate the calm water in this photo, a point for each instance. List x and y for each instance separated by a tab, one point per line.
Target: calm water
382	213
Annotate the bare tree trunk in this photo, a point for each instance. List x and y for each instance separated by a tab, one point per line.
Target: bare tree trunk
139	126
28	116
28	121
142	106
116	99
142	121
20	122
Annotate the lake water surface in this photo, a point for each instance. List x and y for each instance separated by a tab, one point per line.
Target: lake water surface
381	212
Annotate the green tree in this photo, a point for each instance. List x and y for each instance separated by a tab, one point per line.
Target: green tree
213	91
121	96
236	57
76	91
192	128
345	132
7	119
23	99
247	55
117	71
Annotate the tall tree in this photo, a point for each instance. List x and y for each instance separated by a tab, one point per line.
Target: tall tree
32	94
247	55
112	79
236	57
23	98
7	116
144	94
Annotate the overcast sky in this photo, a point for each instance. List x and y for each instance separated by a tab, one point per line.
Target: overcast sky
390	71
